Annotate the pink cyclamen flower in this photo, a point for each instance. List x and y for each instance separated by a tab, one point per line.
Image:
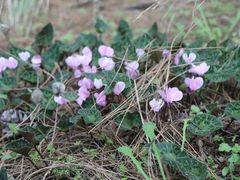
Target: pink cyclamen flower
178	56
106	63
132	69
101	98
73	61
166	53
86	58
2	64
77	73
83	94
156	105
98	83
60	100
171	94
24	55
140	52
189	58
11	63
105	51
89	69
194	83
85	83
200	69
119	87
36	61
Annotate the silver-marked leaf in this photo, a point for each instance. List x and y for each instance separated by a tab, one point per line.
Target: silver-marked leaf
90	115
180	160
203	124
233	110
71	96
20	146
29	75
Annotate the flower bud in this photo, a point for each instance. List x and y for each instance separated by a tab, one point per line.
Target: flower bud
58	88
37	96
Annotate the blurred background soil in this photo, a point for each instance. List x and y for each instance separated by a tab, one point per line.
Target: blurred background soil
210	19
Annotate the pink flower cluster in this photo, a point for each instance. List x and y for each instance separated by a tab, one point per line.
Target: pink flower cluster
81	63
36	60
8	63
170	95
195	83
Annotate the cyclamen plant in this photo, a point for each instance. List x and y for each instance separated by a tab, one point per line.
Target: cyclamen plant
170	95
81	64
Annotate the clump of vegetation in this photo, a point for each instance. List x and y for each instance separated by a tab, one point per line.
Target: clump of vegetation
139	108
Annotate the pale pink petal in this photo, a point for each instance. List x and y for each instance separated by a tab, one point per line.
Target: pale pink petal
11	63
105	51
156	105
140	52
192	56
178	56
171	94
194	83
86	83
79	101
189	58
87	51
101	98
98	83
24	55
177	95
133	74
200	69
60	100
106	63
83	93
131	65
77	73
119	87
89	69
3	65
36	59
166	53
73	61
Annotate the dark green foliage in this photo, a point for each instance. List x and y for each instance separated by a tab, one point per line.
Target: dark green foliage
44	37
101	26
233	110
90	115
203	124
20	146
180	160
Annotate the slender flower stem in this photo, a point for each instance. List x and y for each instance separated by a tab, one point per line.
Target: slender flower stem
29	159
40	154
